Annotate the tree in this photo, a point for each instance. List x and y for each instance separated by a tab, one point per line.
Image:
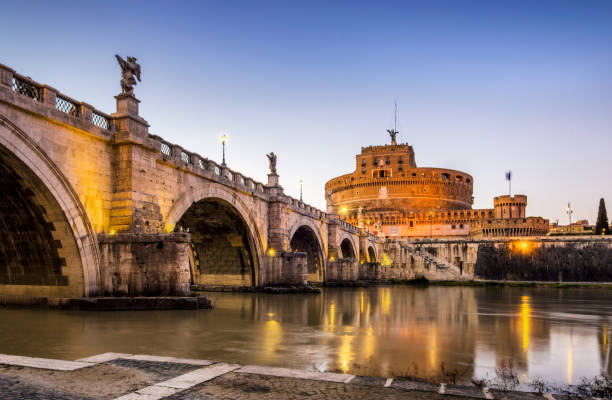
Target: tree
602	219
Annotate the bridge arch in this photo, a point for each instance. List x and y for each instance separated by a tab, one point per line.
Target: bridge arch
305	237
226	247
347	248
371	254
47	244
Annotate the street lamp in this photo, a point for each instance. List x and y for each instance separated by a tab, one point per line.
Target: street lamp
569	213
223	140
301	184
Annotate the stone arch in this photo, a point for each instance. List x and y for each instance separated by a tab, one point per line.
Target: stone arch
304	237
371	253
347	248
55	249
245	239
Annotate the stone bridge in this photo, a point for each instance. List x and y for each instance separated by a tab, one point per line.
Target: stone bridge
93	204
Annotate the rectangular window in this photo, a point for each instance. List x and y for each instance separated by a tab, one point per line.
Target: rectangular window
388	160
400	160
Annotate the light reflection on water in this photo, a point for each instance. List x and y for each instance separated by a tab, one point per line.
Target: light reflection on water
560	335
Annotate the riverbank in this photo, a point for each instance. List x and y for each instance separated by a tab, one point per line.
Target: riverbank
146	377
484	283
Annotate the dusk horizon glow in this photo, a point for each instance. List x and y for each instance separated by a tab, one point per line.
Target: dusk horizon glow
482	88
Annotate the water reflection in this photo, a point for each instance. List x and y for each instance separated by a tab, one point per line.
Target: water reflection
560	335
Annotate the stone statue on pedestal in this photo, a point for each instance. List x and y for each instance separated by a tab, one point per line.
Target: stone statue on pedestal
130	70
272	159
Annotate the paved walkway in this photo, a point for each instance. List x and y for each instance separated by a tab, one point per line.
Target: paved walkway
144	377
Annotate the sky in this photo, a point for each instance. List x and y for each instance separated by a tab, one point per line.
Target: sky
481	87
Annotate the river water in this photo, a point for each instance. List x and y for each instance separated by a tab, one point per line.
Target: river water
559	335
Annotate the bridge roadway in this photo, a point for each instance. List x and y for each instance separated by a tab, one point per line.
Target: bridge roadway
93	204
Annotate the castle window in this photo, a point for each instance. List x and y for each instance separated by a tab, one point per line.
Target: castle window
445	176
454	226
414	174
375	161
468	180
400	168
387	160
363	170
400	160
460	226
459	178
411	224
363	162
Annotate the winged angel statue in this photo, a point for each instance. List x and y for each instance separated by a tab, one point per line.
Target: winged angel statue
130	70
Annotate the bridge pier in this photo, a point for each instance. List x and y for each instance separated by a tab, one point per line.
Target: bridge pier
144	264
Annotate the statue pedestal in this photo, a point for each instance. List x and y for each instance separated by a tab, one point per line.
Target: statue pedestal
127	104
273	179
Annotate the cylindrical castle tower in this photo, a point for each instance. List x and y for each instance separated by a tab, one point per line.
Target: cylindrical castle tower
510	206
386	178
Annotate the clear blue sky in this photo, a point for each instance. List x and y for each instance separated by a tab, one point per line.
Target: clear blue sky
482	87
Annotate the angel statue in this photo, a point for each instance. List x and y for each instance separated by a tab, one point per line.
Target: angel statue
272	159
393	133
129	70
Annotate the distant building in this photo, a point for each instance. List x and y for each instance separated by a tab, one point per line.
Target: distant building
580	227
389	195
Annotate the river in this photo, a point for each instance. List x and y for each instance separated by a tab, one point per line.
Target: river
559	335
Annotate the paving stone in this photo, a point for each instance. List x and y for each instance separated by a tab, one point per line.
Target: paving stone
143	357
104	357
467	391
369	380
198	376
161	370
413	385
296	373
12	388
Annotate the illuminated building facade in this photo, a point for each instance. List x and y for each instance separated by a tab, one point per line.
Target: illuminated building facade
388	194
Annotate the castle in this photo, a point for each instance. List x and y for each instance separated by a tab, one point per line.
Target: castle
389	195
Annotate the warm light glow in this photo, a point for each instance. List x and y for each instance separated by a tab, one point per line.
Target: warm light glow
570	361
223	137
272	336
332	314
169	228
385	300
345	353
112	232
331	258
271	252
386	261
525	312
343	210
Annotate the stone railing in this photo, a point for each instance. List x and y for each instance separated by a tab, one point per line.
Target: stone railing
49	96
180	157
300	206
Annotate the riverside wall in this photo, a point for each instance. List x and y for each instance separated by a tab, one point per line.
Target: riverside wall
575	258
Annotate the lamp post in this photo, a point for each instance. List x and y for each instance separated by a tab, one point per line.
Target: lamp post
569	213
223	140
301	181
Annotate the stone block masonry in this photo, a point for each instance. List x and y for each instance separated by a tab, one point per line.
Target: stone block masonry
141	264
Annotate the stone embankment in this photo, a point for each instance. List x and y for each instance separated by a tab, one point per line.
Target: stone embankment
143	377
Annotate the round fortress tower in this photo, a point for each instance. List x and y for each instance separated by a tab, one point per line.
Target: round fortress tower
510	206
387	179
